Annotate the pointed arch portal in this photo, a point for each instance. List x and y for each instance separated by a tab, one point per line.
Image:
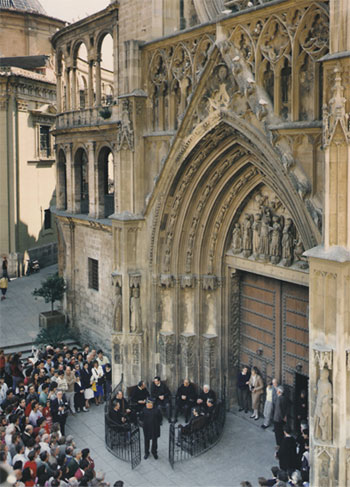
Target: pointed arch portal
228	252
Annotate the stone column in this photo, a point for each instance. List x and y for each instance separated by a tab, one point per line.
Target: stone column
74	88
92	176
70	178
59	93
329	325
98	82
167	335
68	93
188	338
91	84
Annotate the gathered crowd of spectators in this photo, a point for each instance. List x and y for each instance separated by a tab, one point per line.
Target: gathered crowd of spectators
292	448
35	400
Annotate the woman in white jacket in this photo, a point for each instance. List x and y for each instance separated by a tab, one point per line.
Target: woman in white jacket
97	382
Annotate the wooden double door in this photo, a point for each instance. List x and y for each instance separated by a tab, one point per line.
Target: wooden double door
274	327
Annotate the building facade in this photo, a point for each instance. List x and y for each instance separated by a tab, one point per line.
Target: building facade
27	114
203	214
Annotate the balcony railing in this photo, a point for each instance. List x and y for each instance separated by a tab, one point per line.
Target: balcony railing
87	117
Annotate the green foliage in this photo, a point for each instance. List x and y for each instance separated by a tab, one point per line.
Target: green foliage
55	334
52	289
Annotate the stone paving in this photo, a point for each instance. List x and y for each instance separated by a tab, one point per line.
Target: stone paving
245	451
19	313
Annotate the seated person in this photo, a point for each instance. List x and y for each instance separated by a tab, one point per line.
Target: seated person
197	422
206	394
118	417
160	392
139	396
185	399
211	409
125	408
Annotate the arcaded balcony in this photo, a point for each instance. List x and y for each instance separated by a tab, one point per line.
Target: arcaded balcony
87	70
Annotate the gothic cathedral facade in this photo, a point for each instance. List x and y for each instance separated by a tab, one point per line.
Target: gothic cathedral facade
203	205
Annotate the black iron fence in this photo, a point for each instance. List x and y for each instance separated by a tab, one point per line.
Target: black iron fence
122	440
199	435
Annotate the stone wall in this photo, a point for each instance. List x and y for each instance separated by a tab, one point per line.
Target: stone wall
93	309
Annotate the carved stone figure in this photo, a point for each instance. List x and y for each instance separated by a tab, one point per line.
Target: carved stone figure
264	241
247	242
135	311
287	243
256	234
275	246
298	253
323	409
118	309
236	244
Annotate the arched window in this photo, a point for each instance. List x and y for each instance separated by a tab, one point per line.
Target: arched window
106	183
61	190
81	189
105	69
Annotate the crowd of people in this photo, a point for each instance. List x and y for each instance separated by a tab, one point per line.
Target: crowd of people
292	447
35	400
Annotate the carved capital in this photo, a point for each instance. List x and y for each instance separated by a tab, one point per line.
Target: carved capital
187	280
117	279
166	280
210	282
323	357
134	280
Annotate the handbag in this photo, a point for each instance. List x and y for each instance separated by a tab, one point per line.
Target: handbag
93	386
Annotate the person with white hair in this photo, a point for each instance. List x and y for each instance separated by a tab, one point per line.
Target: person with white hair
203	397
45	443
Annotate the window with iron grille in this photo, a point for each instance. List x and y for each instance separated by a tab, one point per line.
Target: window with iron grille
45	146
93	273
47	219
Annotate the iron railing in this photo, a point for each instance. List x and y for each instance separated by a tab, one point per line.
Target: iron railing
199	435
123	441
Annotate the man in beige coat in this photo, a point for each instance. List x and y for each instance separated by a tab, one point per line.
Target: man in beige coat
256	387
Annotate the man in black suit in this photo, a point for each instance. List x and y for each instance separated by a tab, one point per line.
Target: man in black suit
139	396
152	418
59	410
206	394
287	453
185	399
280	414
160	392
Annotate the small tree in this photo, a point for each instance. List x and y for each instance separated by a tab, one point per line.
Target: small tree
52	289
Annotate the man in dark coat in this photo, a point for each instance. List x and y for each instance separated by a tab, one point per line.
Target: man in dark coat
139	396
205	394
152	418
243	389
280	414
185	399
59	410
160	392
287	453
